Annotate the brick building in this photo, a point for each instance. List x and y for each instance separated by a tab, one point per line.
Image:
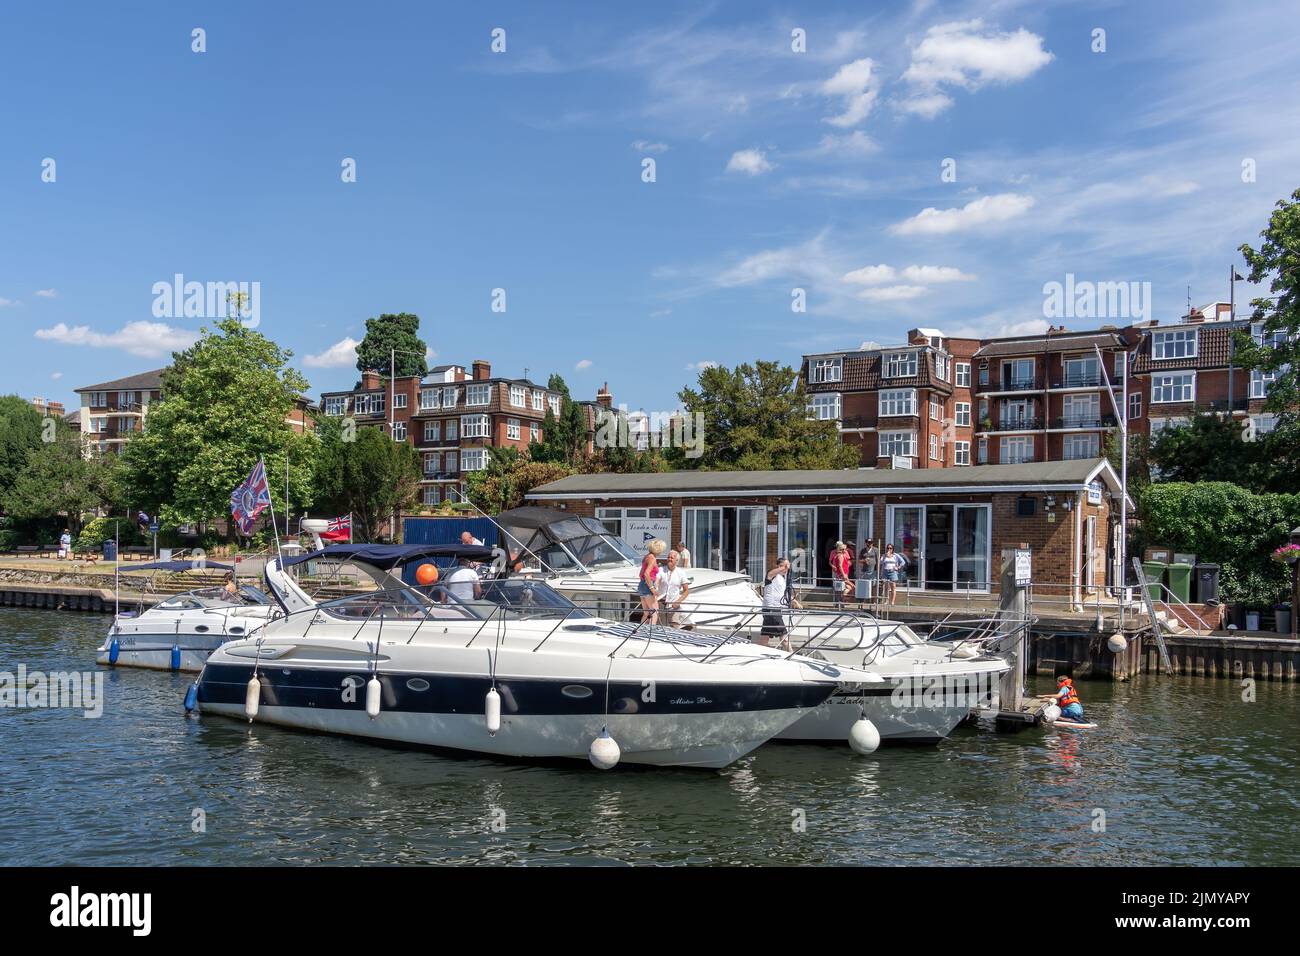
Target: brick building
452	417
113	411
952	527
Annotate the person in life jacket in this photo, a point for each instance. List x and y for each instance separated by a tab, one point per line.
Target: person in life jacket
1068	699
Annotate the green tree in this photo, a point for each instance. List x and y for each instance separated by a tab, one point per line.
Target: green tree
755	418
1277	262
58	479
564	437
20	432
362	471
1210	447
508	477
225	404
1139	459
400	331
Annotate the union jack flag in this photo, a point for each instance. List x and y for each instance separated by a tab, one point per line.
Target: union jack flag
338	529
250	499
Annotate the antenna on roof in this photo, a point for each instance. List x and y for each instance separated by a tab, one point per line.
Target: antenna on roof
1189	300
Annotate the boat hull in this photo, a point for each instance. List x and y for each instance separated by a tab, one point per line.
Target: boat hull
154	651
832	721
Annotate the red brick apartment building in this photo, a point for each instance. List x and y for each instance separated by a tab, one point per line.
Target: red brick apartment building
939	402
453	418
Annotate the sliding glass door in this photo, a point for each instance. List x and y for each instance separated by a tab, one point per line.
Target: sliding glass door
798	542
972	558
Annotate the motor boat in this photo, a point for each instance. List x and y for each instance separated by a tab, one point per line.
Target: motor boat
180	631
514	670
920	692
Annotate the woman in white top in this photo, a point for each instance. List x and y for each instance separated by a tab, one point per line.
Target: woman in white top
776	598
892	571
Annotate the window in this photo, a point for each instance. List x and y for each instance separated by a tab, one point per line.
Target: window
963	375
900	365
1081	372
825	407
1260	425
934	409
983	451
518	396
934	447
512	429
399	431
451	431
1260	382
428	398
898	443
450	396
1016	450
399	400
1075	447
337	405
1081	411
1179	387
1174	344
962	415
1017	413
474	426
941	366
984	373
898	401
432	431
826	370
451	465
1121	359
534	432
554	402
1018	373
1273	339
1160	424
474	459
1135	406
961	453
538	398
1026	507
431	495
370	403
431	462
478	394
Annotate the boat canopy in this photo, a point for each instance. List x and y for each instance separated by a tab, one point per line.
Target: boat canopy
194	565
559	541
388	556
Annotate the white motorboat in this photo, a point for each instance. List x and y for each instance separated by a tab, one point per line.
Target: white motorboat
180	631
920	692
516	672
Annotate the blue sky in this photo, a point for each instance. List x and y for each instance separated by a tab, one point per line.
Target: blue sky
522	170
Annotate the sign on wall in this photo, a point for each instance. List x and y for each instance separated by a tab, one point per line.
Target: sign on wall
1094	492
1024	569
638	532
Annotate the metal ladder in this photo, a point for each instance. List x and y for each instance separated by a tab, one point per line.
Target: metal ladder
1156	627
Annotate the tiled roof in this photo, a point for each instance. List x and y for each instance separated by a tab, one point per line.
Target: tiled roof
1040	344
143	380
1212	348
861	372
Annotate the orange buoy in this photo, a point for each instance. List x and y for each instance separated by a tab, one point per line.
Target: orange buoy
426	574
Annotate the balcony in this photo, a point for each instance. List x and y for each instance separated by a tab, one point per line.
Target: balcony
1081	422
1078	381
1012	385
855	421
1015	424
1221	405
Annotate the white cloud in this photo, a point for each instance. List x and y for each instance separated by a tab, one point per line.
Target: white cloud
430	354
47	293
854	145
700	366
753	162
855	83
146	339
893	293
871	275
965	55
339	355
646	146
6	303
583	364
806	261
661	313
933	274
56	375
980	212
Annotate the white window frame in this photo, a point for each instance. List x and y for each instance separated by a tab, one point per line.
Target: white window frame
336	405
539	399
473	459
936	410
534	432
1174	344
399	431
826	370
476	396
962	375
1134	405
450	396
512	429
1093	413
432	462
1091	439
941	366
961	453
433	431
1260	382
901	443
961	414
399	399
428	399
934	447
475	426
825	406
897	401
518	396
1173	384
1008	442
900	365
554	402
452	432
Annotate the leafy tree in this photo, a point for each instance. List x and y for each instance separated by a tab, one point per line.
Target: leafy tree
400	331
20	432
508	477
755	418
1277	261
1210	447
1139	459
364	472
564	437
58	479
225	404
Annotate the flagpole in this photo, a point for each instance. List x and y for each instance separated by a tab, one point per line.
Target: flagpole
270	503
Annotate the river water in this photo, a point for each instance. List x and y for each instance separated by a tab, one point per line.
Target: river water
1182	771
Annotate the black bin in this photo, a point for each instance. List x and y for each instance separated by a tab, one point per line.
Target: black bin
1207	583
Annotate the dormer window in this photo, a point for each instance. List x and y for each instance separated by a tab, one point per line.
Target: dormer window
1174	344
826	370
900	365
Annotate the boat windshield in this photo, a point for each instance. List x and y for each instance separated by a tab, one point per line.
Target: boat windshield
577	544
509	599
246	596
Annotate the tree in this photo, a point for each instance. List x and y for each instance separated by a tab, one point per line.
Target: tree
400	331
20	432
1210	447
58	479
1139	459
1277	261
564	437
508	477
755	418
226	401
362	471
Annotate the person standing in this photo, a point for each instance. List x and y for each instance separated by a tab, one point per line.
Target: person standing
892	566
777	599
65	544
674	588
868	557
648	584
683	556
842	573
464	583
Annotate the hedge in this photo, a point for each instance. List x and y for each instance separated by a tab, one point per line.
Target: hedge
1225	524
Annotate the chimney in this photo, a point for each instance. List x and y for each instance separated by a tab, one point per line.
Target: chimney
369	379
482	369
604	398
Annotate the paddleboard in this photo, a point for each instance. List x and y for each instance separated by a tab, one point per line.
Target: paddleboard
1072	725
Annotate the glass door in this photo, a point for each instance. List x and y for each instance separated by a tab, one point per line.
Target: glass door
906	523
704	536
751	542
972	559
798	541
